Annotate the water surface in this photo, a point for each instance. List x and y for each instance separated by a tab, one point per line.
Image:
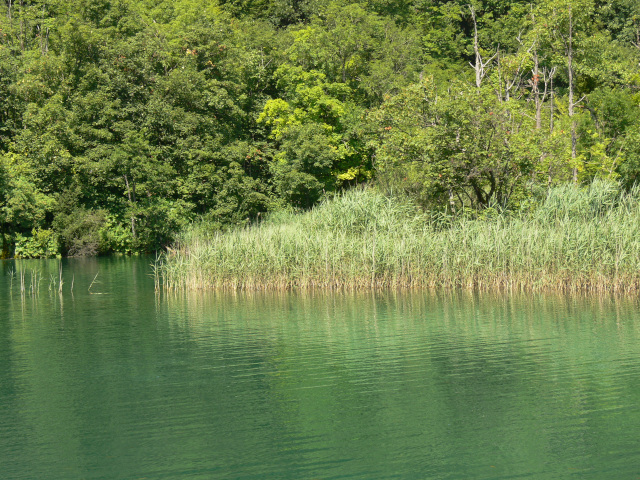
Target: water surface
118	382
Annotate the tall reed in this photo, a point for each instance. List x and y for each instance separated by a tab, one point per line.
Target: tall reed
577	239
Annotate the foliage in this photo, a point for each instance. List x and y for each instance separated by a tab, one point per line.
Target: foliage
122	122
79	232
42	243
456	147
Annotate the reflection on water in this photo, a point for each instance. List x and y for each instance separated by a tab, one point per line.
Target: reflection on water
121	382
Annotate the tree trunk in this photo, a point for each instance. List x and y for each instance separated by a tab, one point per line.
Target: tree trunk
5	245
22	27
571	96
132	200
476	49
480	66
536	90
43	32
551	98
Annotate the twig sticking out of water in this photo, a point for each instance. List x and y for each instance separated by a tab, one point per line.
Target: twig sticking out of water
60	282
34	286
92	282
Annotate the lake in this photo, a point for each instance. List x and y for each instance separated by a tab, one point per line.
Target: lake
115	381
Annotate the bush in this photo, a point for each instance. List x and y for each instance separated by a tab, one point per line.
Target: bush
115	237
79	232
43	243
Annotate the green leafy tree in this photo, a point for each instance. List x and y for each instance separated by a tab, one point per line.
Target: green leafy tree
313	130
453	149
23	206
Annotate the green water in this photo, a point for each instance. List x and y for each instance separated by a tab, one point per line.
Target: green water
121	383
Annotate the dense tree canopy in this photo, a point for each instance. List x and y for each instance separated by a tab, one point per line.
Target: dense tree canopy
122	120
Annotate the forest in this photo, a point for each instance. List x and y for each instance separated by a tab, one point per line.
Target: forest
122	122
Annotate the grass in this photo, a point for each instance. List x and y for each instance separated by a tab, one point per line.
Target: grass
577	239
28	281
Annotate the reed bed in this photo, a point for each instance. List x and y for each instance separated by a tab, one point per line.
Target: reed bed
577	239
28	280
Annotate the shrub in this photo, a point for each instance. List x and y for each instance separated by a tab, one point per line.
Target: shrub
79	232
42	243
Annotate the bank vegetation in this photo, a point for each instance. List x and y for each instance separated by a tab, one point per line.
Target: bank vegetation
575	239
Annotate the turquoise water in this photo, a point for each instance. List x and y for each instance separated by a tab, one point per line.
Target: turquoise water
118	382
